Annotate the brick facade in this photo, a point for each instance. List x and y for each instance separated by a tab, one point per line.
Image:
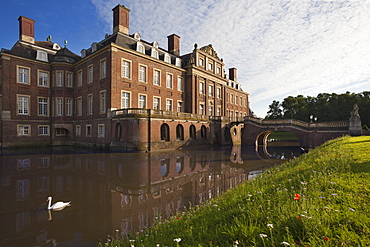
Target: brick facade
51	95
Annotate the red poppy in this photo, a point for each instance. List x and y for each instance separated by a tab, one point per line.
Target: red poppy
297	196
326	239
177	217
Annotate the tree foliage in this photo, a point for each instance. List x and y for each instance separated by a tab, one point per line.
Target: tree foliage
325	107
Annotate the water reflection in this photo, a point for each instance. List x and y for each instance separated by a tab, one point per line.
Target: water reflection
111	191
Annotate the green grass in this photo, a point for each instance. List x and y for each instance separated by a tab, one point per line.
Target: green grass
332	183
282	135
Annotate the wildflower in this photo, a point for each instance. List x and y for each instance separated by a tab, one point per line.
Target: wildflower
352	209
334	194
177	240
270	225
236	242
285	243
326	239
297	196
177	217
132	243
263	236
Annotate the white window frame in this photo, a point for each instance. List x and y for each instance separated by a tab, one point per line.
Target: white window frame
156	77
126	69
43	130
180	85
210	90
43	78
90	73
79	106
59	78
201	87
125	101
169	80
23	105
59	106
142	100
101	130
80	78
169	105
69	107
78	130
90	104
23	75
167	58
103	68
180	106
219	92
103	101
43	106
23	130
156	103
143	73
69	76
201	108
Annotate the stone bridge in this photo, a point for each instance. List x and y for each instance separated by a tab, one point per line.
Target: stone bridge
254	132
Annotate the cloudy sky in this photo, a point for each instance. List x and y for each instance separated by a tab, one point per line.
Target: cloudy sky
279	47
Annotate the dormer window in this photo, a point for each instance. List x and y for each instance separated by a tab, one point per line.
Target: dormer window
56	47
167	58
155	53
137	36
42	56
178	62
155	44
140	48
94	47
83	53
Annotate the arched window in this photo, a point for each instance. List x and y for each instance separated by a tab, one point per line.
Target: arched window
179	164
192	132
179	132
165	132
164	169
203	132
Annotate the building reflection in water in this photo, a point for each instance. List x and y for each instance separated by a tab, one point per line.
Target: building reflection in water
111	191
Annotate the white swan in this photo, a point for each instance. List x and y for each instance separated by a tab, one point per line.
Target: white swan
58	205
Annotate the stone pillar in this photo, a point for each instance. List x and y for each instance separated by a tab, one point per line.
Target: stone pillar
236	134
355	122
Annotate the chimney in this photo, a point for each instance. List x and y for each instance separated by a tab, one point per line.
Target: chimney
26	29
174	44
232	74
121	16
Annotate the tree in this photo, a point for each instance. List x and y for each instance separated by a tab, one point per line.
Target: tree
274	111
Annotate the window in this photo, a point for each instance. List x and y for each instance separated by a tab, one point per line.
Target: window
79	106
201	109
210	66
168	105
245	102
90	74
165	132
23	75
219	92
23	105
218	111
88	130
69	107
210	90
231	98
43	78
218	70
142	73
59	79
179	83
103	68
241	100
169	81
156	103
179	106
201	88
236	100
78	130
102	102
167	58
125	100
210	110
89	104
43	130
140	48
24	130
79	78
142	101
101	130
126	69
43	106
59	106
179	133
60	132
69	79
201	62
155	53
157	77
42	56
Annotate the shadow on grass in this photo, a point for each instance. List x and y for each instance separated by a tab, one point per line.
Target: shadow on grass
360	167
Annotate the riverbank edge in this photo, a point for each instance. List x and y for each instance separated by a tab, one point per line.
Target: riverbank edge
309	201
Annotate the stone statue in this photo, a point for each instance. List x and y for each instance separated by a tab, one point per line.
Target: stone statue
354	112
355	122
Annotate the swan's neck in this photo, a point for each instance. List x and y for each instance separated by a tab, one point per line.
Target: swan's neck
49	205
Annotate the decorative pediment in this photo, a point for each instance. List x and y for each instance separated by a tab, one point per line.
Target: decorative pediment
210	51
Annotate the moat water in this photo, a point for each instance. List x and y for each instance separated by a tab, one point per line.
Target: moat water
114	193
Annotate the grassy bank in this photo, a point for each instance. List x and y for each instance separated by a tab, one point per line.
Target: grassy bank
319	199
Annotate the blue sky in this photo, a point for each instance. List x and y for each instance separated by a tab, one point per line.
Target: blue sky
279	47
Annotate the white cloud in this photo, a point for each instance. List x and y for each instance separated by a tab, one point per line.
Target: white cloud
279	47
